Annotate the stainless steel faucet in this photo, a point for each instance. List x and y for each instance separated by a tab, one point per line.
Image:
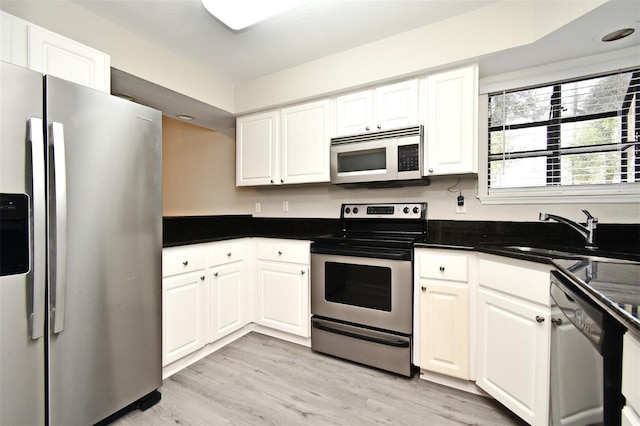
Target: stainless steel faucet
586	231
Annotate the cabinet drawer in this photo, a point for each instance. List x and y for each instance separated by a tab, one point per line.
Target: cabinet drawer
284	251
444	267
177	260
527	280
225	252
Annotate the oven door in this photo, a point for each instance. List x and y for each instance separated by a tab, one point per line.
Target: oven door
362	290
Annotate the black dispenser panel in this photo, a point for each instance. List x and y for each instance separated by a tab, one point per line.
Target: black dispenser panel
14	234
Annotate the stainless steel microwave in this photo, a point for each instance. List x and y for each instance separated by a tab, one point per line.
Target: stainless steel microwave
383	159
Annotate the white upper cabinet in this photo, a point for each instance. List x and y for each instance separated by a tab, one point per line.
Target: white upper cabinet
305	143
257	151
44	51
386	107
452	125
285	146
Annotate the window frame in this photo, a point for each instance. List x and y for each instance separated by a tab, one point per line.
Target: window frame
627	192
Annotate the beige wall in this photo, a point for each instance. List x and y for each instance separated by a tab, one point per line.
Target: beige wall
199	179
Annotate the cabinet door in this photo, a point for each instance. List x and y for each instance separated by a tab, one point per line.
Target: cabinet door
183	315
228	296
452	130
354	113
513	354
444	328
396	105
53	54
305	143
283	297
257	149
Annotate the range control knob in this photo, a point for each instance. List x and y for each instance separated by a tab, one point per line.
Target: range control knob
355	210
347	210
406	210
416	210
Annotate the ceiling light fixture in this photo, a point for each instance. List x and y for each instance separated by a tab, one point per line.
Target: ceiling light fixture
240	14
618	34
185	117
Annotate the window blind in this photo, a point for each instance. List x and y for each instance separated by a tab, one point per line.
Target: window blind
570	133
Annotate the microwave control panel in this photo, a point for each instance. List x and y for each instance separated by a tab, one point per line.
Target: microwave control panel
408	158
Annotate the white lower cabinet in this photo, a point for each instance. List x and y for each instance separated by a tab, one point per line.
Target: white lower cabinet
283	285
184	318
513	340
228	288
211	290
631	379
444	278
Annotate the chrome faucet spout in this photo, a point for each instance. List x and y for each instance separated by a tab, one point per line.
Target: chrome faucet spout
586	231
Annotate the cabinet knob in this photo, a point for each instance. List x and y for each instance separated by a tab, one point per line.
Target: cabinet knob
281	180
301	272
202	277
539	319
215	274
185	263
424	288
271	180
279	253
367	128
442	269
430	170
556	321
229	254
379	126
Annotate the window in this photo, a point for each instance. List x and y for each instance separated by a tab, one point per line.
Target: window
571	137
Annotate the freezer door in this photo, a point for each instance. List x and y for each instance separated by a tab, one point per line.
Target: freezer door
22	228
105	216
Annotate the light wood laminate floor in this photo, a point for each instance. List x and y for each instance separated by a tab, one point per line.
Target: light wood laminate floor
259	380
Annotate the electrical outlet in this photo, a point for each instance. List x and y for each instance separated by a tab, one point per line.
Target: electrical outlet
460	207
258	208
285	206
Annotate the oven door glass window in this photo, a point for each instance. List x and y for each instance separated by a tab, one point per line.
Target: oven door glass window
361	161
358	285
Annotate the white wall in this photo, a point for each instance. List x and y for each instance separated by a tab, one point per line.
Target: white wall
456	40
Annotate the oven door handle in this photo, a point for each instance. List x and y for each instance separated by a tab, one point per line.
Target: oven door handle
389	254
394	343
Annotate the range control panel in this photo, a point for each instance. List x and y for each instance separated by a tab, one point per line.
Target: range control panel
384	211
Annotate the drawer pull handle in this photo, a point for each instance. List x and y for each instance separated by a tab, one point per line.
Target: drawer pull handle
556	321
185	263
202	277
279	253
442	269
229	254
539	319
424	288
301	272
215	274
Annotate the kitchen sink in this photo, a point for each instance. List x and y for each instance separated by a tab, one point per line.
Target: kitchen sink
585	254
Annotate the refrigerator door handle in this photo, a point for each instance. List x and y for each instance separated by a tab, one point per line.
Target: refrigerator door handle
37	277
59	265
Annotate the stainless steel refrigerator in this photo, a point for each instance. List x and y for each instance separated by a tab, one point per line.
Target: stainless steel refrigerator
80	252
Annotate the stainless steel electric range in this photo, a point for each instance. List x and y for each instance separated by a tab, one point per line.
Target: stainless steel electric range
362	285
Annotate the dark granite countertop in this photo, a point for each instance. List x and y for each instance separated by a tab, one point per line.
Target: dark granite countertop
615	240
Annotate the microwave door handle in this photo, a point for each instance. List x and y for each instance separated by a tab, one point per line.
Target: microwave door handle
37	277
392	159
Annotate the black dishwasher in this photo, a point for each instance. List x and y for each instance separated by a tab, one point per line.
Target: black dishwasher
586	359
